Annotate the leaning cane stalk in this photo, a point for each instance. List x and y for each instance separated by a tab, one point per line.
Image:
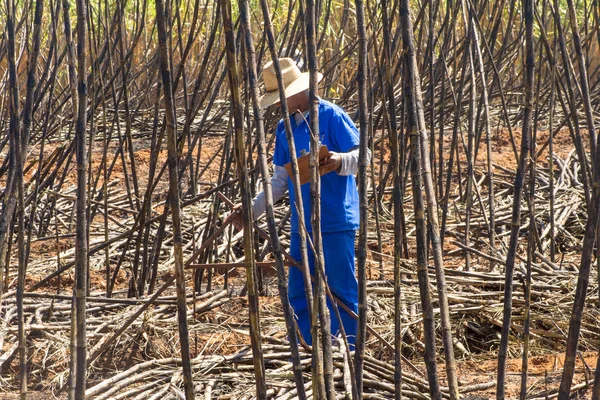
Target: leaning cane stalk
17	155
583	78
416	175
10	199
416	126
585	176
320	302
488	139
28	112
582	284
596	387
294	161
590	237
471	133
288	313
453	145
240	156
518	192
166	75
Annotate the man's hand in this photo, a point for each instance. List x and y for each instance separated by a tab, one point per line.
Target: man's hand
333	162
236	219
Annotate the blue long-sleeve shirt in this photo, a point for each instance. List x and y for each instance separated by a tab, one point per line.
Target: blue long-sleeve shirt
339	195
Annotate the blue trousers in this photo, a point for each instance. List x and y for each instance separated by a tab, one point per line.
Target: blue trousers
338	251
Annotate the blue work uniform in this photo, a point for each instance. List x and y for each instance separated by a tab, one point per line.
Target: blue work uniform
339	217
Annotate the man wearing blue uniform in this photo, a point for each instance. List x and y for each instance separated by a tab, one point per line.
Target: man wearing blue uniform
339	195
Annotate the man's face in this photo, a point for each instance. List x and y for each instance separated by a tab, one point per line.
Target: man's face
297	102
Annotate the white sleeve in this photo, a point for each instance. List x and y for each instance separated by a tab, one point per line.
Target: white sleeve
350	161
279	187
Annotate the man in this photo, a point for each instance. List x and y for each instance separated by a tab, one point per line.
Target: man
339	196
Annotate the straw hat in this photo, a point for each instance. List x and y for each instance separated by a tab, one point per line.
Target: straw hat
294	81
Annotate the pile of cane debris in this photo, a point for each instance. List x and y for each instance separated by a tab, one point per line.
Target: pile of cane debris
134	342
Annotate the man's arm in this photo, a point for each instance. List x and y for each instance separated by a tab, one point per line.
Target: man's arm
344	164
278	186
345	138
349	164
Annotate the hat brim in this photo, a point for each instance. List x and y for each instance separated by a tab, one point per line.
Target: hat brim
297	86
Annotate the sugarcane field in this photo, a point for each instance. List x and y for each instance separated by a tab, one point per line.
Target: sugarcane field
299	199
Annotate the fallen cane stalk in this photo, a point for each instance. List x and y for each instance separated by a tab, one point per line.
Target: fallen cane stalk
123	327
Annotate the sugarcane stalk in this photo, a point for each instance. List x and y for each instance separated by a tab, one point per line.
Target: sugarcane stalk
294	161
590	237
166	75
469	48
416	176
240	157
266	180
475	44
586	175
319	301
398	231
583	78
81	241
516	208
551	158
28	112
15	133
417	129
361	334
